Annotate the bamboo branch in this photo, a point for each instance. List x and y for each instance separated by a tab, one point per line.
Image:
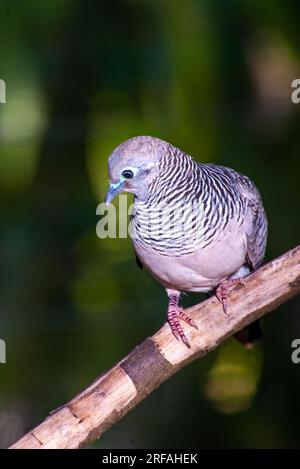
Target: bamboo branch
118	390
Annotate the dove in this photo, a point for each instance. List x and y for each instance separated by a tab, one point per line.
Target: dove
196	227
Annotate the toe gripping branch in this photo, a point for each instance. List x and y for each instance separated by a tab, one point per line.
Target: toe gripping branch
175	312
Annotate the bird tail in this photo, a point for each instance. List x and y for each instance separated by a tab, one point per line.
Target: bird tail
249	334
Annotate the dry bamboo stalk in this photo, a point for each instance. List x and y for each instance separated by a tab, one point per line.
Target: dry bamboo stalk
115	392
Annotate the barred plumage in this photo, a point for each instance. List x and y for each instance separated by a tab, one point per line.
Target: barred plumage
208	194
194	224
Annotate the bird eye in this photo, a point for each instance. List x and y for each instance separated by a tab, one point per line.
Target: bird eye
127	174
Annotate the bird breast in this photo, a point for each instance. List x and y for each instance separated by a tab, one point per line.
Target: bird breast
200	270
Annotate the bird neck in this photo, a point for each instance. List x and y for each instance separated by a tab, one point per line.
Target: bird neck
176	171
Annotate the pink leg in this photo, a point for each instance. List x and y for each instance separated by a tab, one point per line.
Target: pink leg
222	290
175	312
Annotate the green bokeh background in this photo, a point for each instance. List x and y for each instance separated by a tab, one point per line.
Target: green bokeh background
212	77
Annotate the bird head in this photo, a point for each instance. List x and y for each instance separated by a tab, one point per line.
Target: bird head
132	165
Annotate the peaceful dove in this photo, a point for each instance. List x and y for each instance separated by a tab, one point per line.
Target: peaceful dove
197	227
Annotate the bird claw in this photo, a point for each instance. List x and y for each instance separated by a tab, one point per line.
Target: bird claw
175	333
222	291
174	313
187	319
185	341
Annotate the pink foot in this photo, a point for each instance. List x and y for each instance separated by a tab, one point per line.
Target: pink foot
175	312
222	290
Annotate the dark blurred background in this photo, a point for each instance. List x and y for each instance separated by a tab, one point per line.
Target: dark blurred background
211	77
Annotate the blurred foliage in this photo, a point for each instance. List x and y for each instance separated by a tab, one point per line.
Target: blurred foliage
233	378
213	78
